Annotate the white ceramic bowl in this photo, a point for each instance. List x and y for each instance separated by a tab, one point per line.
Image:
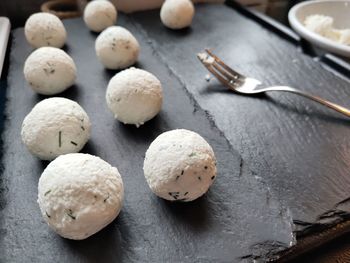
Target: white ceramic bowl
4	35
338	9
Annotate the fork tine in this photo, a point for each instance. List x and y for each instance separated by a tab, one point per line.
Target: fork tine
218	60
217	71
228	76
218	76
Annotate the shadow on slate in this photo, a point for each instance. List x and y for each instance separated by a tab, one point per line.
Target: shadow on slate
236	214
331	118
299	148
71	93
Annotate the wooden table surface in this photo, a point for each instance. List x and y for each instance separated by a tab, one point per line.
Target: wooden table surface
284	160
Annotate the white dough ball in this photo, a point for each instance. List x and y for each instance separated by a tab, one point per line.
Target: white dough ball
134	96
117	48
179	165
55	126
177	14
79	194
49	70
99	14
45	29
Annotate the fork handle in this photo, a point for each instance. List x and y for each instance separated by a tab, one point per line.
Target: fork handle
327	103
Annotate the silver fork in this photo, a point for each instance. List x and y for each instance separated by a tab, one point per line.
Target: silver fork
245	85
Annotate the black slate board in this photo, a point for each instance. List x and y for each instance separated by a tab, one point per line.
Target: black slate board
238	217
299	148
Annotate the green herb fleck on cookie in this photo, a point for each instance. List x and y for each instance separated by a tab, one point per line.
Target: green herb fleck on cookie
60	139
47	215
70	214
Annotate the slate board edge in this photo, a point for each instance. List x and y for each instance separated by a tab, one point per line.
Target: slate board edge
3	121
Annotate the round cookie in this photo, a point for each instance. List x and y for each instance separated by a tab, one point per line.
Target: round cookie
100	14
117	48
134	96
55	126
177	14
79	194
179	165
45	29
49	70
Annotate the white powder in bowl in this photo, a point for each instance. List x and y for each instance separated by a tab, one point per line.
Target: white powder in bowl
323	25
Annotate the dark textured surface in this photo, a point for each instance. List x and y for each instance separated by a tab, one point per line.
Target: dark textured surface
237	218
299	148
293	150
